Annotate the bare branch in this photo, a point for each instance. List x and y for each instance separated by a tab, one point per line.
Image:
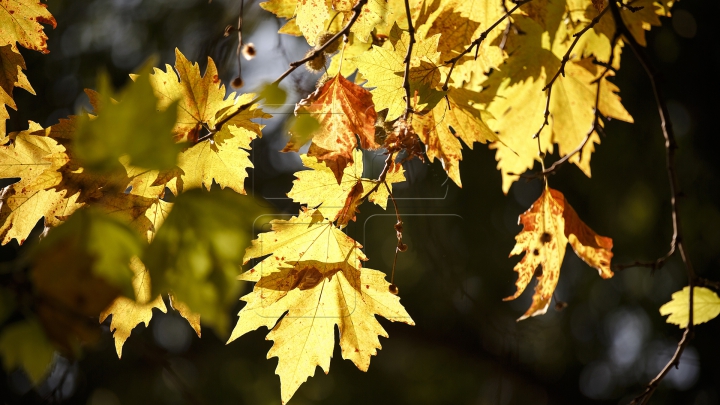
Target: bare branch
676	243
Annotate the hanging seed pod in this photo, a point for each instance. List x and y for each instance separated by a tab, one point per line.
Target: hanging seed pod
322	80
237	82
393	289
315	64
249	51
324	38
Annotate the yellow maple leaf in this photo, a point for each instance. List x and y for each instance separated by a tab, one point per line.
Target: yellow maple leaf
20	21
516	99
11	76
202	104
127	313
343	109
548	225
384	69
706	306
338	201
201	98
442	127
311	18
460	22
313	281
35	160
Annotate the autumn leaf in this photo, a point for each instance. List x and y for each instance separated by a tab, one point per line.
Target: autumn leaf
20	22
442	128
196	254
312	17
338	201
202	103
343	109
311	282
514	96
201	99
548	226
128	313
36	161
129	127
11	76
706	306
384	68
460	22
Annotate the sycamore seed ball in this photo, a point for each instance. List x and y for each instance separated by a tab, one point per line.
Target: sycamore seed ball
315	64
249	51
237	82
325	37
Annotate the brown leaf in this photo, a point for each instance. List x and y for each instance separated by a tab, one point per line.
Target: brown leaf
594	249
548	226
343	110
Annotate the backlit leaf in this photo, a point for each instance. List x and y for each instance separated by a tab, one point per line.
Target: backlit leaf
197	253
547	227
706	306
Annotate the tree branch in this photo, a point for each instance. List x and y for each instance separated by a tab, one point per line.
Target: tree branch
561	71
408	57
357	9
597	125
476	43
676	243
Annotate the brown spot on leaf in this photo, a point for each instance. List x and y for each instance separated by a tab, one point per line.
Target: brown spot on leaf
546	237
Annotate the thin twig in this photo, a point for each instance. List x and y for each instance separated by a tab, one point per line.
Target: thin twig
476	43
561	71
408	57
597	125
240	39
398	231
677	243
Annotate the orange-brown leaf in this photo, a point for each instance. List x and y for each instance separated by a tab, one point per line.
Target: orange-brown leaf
548	226
594	249
343	110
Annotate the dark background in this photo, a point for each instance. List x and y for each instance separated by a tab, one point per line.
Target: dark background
466	347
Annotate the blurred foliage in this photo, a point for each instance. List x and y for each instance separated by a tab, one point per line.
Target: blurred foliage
198	249
128	126
466	347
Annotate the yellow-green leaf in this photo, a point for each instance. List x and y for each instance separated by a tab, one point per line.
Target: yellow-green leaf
706	306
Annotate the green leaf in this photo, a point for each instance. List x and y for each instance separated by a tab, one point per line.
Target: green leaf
198	251
24	344
130	127
91	239
706	306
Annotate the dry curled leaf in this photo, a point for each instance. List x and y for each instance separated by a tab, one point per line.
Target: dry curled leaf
548	226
